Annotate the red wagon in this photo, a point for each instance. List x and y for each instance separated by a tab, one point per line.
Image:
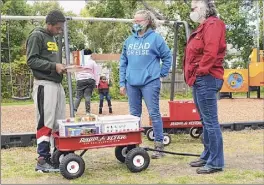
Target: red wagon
183	115
126	145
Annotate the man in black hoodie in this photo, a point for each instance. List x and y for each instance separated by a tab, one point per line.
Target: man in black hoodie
48	93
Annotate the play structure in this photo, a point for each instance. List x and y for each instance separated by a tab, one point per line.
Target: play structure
245	80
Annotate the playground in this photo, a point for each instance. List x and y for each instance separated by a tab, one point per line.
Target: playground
243	144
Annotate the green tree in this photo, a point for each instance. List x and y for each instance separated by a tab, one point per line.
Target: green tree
114	9
17	30
75	28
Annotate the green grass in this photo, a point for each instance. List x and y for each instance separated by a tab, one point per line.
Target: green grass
243	156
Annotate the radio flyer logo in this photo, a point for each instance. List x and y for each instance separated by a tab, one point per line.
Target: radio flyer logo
102	139
185	123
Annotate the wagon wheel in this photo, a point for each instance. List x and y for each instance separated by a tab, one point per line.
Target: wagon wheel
57	157
72	166
166	139
121	152
150	134
137	160
195	132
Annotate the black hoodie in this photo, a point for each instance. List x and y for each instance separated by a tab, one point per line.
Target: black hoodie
42	55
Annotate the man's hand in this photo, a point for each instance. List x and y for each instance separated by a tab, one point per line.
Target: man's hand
122	91
60	68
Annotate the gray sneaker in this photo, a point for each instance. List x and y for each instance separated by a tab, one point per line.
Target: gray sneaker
45	166
156	154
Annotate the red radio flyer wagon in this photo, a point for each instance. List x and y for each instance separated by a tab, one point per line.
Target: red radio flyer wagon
183	115
126	145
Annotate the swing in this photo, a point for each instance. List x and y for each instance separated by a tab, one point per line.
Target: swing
26	96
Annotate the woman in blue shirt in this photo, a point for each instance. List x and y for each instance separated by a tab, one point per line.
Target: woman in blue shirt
141	70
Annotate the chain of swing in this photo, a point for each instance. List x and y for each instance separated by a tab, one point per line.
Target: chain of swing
21	84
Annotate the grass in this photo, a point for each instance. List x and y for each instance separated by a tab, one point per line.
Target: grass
243	155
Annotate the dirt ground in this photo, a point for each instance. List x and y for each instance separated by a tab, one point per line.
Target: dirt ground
21	118
243	151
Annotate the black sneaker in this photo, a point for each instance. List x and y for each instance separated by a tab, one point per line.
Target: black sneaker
110	110
45	166
207	170
198	163
100	111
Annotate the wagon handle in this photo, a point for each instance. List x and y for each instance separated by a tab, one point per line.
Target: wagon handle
167	152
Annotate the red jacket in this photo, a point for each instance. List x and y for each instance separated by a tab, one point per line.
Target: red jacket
103	85
205	51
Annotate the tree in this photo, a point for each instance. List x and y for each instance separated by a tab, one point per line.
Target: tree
17	30
106	37
76	37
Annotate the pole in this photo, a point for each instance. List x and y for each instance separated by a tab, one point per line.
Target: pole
67	54
257	4
263	28
92	19
258	95
60	47
175	50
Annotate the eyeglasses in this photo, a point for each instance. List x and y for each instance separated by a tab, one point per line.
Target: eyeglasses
138	21
192	9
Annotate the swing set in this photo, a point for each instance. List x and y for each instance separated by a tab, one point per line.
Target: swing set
21	83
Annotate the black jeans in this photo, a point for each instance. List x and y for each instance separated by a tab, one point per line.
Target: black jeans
84	88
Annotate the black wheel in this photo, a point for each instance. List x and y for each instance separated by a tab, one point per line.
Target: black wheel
137	160
166	139
57	157
195	132
150	134
72	166
121	152
202	138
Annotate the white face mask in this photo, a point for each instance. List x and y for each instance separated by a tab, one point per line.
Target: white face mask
195	16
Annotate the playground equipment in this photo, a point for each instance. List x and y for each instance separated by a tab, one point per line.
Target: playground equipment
245	80
21	84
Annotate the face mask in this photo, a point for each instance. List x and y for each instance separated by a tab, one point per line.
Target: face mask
195	16
137	27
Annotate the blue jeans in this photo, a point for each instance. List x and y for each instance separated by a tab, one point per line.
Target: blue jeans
150	92
107	97
205	91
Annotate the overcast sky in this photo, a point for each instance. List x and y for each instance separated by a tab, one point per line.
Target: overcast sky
74	6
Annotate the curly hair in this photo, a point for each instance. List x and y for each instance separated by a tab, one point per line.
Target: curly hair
148	16
211	9
54	17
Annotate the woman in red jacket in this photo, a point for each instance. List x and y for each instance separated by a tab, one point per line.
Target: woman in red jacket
203	71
